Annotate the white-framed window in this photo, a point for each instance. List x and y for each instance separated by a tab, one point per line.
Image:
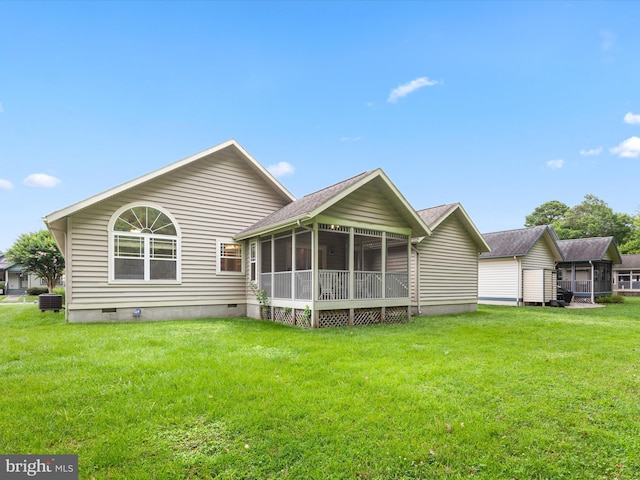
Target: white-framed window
253	261
230	257
144	245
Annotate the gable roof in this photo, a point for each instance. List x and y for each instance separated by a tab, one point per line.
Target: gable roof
629	262
519	242
5	263
434	217
589	249
230	144
315	203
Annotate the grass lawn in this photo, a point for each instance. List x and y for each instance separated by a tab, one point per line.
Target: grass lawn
501	393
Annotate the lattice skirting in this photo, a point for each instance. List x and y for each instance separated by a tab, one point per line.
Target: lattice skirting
367	316
396	315
283	315
333	318
581	299
336	318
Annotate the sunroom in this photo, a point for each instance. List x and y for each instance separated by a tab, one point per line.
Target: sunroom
328	270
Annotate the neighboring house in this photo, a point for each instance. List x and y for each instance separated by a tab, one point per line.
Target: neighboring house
586	267
626	276
17	281
520	269
446	262
190	240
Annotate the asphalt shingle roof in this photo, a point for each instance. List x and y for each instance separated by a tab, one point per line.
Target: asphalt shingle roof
512	243
629	262
584	249
433	215
304	205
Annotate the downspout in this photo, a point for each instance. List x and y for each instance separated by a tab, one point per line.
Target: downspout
592	283
417	279
519	281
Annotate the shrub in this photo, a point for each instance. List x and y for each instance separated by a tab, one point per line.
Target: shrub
610	299
35	291
60	291
1	285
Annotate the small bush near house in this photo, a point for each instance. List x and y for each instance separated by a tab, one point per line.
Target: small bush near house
610	299
60	291
1	285
35	291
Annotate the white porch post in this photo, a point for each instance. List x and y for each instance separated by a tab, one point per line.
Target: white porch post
352	262
315	284
592	283
293	264
384	265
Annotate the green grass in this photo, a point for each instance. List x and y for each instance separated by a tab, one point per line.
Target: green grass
500	393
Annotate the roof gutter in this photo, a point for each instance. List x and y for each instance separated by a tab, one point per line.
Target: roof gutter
272	228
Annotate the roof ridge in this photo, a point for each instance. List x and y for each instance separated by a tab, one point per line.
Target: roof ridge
518	229
336	184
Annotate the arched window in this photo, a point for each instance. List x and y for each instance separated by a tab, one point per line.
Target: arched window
145	244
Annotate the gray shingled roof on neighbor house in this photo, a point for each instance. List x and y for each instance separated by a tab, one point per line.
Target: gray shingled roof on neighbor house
433	215
629	262
299	208
513	243
584	249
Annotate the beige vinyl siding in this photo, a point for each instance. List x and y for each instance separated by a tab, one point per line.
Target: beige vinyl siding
550	285
367	205
540	256
448	265
537	266
210	199
498	281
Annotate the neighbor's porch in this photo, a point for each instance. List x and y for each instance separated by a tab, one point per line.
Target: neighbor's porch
587	280
331	275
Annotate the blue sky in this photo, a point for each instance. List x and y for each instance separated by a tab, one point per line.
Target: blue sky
499	105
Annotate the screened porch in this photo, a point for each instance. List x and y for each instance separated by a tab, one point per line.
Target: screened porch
350	264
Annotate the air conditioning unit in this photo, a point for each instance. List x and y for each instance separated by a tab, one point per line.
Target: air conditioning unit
50	301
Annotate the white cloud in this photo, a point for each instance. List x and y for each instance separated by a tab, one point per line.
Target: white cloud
608	39
555	164
281	169
591	152
412	86
351	139
1	109
632	118
630	148
41	180
5	184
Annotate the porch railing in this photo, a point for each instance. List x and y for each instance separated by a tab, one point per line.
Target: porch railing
584	286
334	285
367	285
397	285
628	285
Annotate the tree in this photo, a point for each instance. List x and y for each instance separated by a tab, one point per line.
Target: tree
632	243
594	218
37	253
546	214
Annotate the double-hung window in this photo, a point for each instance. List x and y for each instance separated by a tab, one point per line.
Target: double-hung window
145	245
230	257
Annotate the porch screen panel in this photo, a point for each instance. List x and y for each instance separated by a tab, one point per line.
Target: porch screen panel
303	266
397	277
367	261
283	263
265	267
